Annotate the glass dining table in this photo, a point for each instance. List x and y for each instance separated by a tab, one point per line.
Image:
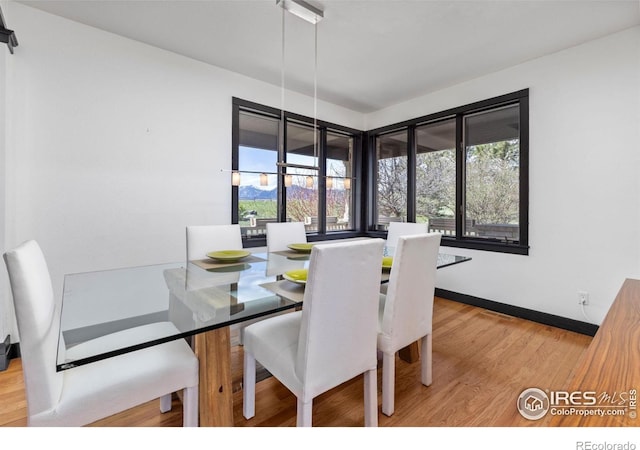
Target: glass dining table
200	298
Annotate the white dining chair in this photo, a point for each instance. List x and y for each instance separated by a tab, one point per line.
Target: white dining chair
397	229
406	311
281	234
84	394
202	239
333	338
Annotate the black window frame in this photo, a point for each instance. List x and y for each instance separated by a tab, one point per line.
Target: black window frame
358	193
495	245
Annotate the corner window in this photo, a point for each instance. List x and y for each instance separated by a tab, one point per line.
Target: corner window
463	171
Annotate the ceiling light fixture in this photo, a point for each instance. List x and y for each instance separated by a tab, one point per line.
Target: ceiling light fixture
302	9
9	36
312	15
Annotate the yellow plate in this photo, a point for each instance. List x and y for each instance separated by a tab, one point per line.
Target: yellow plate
228	255
297	276
302	248
387	261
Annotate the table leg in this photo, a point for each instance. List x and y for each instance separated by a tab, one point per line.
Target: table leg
411	353
213	350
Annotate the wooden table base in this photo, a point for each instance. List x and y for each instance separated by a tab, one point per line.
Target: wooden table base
411	353
213	350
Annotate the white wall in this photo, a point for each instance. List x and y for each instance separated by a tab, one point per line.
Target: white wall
6	312
116	146
584	213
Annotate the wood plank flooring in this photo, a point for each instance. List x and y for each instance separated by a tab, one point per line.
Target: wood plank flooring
482	361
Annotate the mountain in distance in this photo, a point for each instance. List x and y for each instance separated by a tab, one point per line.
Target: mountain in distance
255	193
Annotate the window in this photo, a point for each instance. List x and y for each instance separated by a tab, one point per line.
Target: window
492	174
391	156
324	199
463	171
302	195
340	205
436	173
257	155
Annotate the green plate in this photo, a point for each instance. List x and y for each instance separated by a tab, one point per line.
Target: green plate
387	261
297	276
302	248
228	255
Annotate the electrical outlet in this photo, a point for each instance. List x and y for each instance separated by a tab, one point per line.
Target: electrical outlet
583	298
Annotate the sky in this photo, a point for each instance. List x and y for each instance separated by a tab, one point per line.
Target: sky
260	160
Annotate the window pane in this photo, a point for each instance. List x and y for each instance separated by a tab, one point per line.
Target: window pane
302	195
258	152
391	153
436	176
338	181
492	142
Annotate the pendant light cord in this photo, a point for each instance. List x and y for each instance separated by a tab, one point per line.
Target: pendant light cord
283	164
315	95
282	90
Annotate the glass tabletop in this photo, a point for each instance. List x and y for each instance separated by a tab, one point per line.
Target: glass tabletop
111	312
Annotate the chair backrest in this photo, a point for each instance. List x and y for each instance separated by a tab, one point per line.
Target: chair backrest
408	309
38	317
338	332
202	239
281	234
397	229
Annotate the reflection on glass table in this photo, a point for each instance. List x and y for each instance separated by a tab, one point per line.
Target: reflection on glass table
201	298
195	299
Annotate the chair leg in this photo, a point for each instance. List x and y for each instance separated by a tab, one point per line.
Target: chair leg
388	383
165	403
241	335
371	398
190	406
427	365
249	386
304	413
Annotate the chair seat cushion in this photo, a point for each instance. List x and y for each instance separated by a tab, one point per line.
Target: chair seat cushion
274	343
103	388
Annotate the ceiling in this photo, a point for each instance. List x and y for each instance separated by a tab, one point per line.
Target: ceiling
371	53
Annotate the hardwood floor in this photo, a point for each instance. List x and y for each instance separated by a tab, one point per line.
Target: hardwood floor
482	361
